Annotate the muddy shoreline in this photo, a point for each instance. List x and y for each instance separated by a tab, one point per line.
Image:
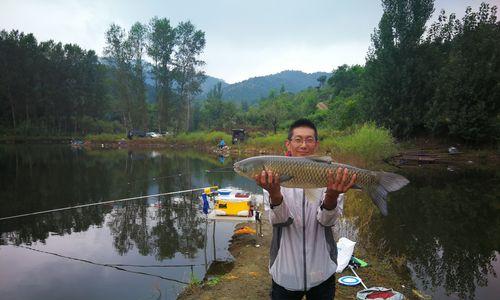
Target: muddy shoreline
249	277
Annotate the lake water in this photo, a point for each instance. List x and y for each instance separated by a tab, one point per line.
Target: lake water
445	225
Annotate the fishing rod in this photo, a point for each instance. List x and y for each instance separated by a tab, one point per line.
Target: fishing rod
114	266
105	202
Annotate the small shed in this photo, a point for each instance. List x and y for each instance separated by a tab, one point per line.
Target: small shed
238	135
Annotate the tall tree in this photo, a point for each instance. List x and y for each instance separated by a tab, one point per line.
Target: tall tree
121	62
160	48
465	103
397	68
137	43
189	45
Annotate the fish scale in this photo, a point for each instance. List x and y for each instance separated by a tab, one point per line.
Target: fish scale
312	171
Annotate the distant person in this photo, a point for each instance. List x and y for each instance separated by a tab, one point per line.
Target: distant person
303	258
222	144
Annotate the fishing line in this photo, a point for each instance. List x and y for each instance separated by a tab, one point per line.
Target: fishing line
104	202
218	170
99	264
156	266
157	178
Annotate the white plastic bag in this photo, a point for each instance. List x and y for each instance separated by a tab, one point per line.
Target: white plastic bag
345	249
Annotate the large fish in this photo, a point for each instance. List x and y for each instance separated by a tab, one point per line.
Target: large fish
311	172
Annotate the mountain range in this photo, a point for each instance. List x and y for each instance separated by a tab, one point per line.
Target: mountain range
250	90
255	88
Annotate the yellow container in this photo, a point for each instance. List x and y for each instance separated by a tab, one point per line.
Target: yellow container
232	208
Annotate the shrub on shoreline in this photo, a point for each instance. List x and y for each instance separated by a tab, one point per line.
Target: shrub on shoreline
369	143
276	142
104	137
200	137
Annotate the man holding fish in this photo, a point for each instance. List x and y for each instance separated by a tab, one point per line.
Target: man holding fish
306	196
303	251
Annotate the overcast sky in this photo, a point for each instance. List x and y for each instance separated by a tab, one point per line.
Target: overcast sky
244	38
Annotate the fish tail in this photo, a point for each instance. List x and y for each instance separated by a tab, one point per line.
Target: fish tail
387	182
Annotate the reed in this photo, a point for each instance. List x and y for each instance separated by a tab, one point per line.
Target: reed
200	137
275	142
367	145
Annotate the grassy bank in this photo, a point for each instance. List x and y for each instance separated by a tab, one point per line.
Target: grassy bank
360	145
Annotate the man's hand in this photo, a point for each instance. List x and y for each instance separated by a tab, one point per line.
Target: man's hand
336	186
271	183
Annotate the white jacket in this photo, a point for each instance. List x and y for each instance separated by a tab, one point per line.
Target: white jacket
303	250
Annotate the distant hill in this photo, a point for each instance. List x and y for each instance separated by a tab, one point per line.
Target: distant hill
250	90
253	89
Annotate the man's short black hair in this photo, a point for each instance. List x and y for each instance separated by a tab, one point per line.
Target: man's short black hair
302	123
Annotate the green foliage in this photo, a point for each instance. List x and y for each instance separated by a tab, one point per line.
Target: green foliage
369	142
465	103
346	80
444	83
214	281
397	69
188	47
160	47
103	137
48	87
271	141
200	137
193	280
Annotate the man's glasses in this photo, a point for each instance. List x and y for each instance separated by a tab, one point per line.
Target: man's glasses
299	141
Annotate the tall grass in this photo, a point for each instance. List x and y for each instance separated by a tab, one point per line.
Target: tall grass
104	137
275	142
201	137
369	143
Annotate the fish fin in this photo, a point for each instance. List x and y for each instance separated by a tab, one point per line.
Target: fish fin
285	178
313	195
323	159
387	182
391	181
379	196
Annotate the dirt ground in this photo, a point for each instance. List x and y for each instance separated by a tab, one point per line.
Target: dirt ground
249	277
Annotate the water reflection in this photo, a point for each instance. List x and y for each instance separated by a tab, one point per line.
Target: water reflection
168	228
446	225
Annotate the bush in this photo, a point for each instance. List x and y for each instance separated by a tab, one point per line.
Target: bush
272	141
105	137
369	143
201	137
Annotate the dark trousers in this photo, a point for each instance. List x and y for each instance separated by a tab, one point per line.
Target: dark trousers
324	291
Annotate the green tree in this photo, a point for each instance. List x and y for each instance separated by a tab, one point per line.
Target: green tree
160	49
465	103
136	42
121	62
216	113
189	45
397	68
322	80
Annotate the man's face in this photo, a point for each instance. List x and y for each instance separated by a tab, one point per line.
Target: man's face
302	142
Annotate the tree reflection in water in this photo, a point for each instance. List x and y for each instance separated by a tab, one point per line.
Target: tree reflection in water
46	177
445	224
163	230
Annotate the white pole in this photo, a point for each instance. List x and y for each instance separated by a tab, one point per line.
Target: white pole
352	269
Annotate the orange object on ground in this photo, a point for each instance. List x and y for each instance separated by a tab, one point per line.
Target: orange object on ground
245	230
